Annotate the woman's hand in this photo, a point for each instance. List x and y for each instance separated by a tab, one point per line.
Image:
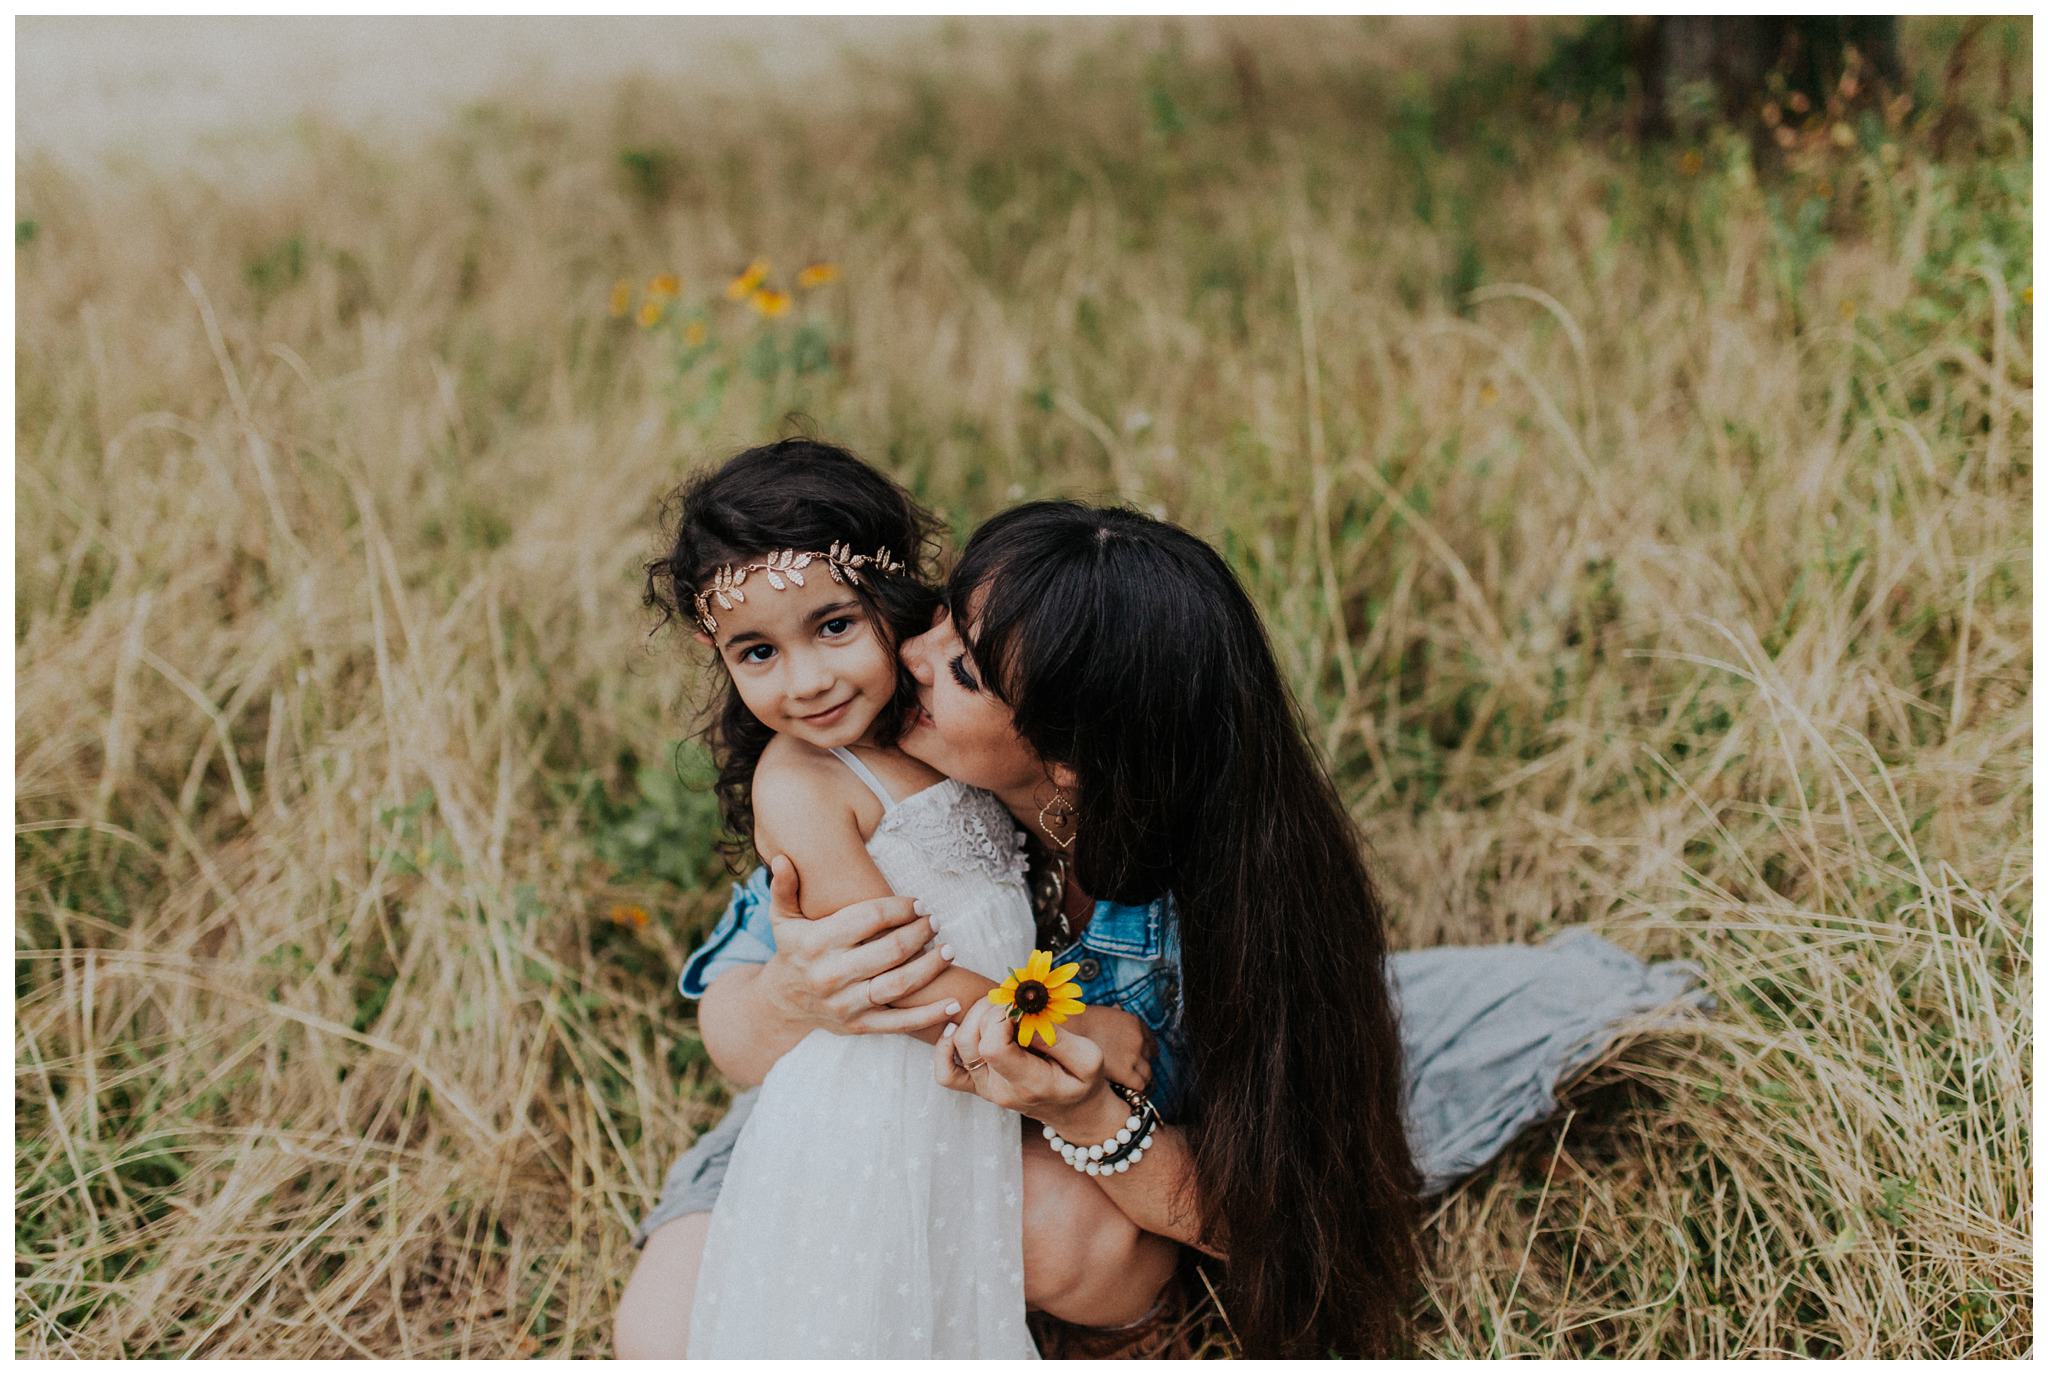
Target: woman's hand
1064	1087
841	972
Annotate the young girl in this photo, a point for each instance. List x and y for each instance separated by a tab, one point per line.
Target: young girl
867	1212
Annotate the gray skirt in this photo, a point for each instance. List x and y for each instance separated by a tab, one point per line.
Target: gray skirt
1490	1033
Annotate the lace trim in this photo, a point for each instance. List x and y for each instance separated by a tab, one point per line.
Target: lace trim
975	835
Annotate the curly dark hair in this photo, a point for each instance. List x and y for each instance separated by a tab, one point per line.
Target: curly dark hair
797	493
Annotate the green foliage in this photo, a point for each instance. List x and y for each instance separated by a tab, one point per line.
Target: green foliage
278	267
666	826
650	173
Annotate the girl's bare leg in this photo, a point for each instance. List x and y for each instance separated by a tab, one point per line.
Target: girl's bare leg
1084	1263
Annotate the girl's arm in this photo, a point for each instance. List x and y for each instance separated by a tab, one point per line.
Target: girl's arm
805	808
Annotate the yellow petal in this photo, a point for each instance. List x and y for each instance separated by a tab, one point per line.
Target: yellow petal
1025	1026
1000	997
1066	1009
1063	990
1038	966
1045	1030
1062	974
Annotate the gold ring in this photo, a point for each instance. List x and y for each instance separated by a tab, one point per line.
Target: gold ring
978	1064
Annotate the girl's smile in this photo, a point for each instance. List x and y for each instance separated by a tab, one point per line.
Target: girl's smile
806	660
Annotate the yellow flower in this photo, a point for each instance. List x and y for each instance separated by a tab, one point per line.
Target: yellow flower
747	282
694	334
650	314
1039	997
771	302
817	274
622	298
629	914
667	284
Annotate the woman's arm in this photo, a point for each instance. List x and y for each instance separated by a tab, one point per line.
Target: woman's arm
821	973
1065	1087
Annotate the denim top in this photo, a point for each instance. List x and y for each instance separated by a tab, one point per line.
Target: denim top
1129	955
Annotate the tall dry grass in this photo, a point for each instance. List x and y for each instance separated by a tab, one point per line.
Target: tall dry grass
1649	535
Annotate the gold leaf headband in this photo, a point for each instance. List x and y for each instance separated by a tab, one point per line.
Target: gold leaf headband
786	566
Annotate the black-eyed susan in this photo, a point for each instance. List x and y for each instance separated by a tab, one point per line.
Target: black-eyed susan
629	914
748	282
650	314
664	285
771	302
622	298
817	274
1039	997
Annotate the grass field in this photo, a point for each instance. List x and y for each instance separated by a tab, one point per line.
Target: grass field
1648	530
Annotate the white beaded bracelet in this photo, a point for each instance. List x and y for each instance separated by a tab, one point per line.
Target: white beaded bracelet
1119	1148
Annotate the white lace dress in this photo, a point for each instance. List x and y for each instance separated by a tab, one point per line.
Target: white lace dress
868	1212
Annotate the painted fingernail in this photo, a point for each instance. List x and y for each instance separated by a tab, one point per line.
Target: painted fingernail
950	1029
952	1009
919	908
945	952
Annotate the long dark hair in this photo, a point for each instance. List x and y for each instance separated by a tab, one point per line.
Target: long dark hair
794	494
1129	652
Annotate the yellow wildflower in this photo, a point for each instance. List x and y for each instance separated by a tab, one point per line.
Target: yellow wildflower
1039	997
744	285
817	274
629	914
650	314
770	302
694	334
622	298
665	285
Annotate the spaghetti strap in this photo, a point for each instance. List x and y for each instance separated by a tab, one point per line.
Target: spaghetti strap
867	776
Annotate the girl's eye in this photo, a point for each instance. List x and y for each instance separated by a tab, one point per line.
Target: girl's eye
838	625
747	654
958	663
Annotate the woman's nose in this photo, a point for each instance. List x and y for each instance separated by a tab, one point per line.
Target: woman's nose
917	657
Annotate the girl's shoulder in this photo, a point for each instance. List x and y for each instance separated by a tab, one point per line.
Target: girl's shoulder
794	775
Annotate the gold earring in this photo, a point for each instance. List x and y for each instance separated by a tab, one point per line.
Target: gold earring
1061	810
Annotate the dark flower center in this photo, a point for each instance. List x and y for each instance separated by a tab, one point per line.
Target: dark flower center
1032	997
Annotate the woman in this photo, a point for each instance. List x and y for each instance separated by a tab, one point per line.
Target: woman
1105	676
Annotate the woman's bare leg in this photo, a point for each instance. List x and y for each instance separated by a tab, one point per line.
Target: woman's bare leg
654	1313
1084	1261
